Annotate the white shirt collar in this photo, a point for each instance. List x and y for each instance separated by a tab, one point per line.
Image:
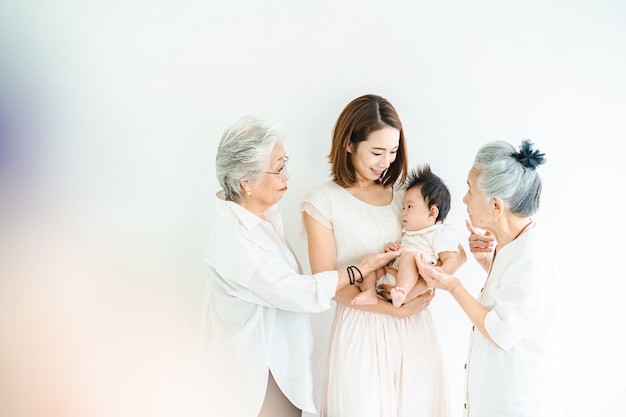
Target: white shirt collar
421	231
248	219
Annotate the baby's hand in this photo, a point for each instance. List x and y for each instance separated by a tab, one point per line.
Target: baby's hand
393	246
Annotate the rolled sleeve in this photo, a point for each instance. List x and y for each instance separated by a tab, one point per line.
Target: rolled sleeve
500	331
255	264
517	306
285	289
327	287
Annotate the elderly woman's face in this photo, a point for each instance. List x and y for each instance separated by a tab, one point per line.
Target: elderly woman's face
478	207
273	183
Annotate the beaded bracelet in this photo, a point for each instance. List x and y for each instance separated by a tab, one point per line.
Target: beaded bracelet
352	275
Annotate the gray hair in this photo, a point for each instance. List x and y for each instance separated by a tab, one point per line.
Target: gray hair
243	154
511	175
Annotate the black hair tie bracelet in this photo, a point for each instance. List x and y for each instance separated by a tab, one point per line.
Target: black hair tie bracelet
352	275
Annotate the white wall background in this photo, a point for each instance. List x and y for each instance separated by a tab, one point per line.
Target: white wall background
107	179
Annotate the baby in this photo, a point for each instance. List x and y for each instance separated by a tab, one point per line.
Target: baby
425	206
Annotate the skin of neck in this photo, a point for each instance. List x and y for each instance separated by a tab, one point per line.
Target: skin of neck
505	225
253	208
507	228
364	182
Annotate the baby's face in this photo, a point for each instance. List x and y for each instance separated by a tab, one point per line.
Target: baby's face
415	212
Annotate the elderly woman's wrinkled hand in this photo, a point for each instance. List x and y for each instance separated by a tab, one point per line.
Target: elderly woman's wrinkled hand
372	261
481	245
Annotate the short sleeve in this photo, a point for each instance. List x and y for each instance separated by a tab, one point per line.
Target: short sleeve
519	302
524	277
316	203
446	239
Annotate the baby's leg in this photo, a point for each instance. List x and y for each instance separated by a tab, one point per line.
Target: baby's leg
368	288
407	278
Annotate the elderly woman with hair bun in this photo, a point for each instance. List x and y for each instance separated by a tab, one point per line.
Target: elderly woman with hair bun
513	360
257	299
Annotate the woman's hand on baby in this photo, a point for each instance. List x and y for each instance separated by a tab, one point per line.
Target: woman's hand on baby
372	261
433	277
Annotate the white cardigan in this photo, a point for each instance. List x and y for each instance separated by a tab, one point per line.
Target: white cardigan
520	376
256	301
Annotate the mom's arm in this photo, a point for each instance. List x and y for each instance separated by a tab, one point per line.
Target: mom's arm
323	257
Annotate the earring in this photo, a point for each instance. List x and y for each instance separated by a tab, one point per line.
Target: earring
248	192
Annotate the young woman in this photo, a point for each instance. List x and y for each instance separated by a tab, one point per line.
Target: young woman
381	360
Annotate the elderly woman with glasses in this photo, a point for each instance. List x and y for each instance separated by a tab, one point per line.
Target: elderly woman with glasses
257	299
513	363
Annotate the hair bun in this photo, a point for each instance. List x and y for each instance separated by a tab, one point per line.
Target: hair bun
529	157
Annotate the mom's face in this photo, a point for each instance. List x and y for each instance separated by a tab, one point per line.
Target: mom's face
375	154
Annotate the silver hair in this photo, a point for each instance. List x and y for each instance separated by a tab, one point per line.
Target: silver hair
243	154
502	174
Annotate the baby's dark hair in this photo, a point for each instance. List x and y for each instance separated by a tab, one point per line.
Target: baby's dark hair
434	190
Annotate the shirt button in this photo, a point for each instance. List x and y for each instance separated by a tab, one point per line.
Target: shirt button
465	366
473	328
465	406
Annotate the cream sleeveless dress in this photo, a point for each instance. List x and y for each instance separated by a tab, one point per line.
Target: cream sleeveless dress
376	365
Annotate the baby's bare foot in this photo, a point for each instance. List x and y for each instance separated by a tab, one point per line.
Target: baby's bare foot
365	298
398	295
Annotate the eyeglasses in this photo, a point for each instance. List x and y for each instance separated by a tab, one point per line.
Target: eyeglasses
281	172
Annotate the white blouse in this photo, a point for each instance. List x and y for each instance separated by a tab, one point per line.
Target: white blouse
358	227
256	304
520	376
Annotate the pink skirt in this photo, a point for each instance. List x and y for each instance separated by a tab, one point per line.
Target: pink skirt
382	366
